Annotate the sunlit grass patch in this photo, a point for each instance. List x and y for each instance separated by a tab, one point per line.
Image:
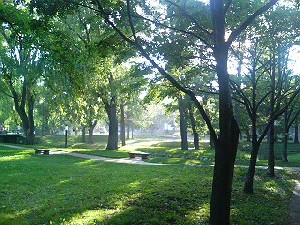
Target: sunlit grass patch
90	217
201	214
105	153
165	160
294	158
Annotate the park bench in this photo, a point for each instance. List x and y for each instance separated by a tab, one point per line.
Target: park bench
143	155
42	151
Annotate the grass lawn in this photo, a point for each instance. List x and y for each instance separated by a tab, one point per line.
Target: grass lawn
65	190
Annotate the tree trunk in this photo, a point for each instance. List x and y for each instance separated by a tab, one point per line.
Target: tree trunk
271	136
122	124
248	136
25	125
30	135
128	131
226	146
193	123
92	125
271	160
83	134
285	137
90	137
211	143
112	143
183	125
248	186
128	127
296	138
284	150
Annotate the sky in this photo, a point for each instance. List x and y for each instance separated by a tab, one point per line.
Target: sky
295	59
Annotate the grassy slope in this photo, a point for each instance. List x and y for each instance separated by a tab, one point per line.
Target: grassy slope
66	190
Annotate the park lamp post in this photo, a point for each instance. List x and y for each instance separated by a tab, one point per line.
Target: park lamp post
66	136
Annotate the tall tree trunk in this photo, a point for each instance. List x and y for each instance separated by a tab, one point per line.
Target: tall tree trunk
271	160
211	143
111	110
90	137
183	125
25	125
296	138
226	146
248	185
237	105
122	124
193	123
31	128
285	137
128	126
248	135
128	132
92	125
83	134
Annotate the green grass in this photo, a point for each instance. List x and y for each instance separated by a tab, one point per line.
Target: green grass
293	154
66	190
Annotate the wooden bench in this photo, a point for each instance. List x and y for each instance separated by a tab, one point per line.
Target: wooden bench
143	155
42	151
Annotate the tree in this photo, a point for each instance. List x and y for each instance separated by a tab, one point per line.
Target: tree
124	19
258	84
290	116
21	65
226	144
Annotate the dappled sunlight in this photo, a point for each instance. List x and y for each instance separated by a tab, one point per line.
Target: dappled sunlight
272	187
140	144
63	182
87	217
135	184
201	214
14	157
192	162
12	218
86	163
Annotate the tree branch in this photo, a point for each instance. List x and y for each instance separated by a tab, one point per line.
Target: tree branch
209	34
162	71
176	29
234	34
130	20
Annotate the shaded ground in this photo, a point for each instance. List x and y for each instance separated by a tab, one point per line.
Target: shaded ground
295	202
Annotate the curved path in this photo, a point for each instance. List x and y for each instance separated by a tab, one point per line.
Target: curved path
104	159
295	206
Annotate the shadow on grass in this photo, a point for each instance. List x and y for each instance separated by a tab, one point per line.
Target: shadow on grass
65	190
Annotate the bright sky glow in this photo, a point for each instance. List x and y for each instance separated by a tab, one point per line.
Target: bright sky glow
294	63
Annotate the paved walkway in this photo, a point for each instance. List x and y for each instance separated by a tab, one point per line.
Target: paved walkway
104	159
295	206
